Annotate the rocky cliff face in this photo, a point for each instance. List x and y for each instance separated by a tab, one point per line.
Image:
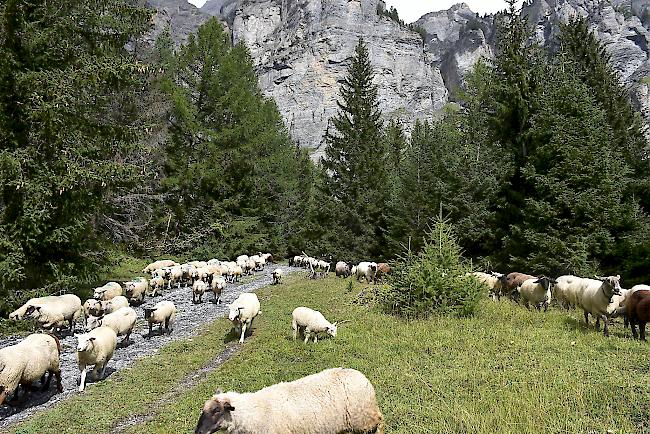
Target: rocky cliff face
181	17
301	49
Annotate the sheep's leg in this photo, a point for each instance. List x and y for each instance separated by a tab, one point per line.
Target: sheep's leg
605	325
315	337
587	318
633	328
294	327
626	321
82	379
46	384
59	386
306	336
3	395
243	333
642	330
598	322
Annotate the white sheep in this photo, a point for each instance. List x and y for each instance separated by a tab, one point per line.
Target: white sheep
313	322
492	281
28	361
122	321
536	292
156	286
158	265
333	401
617	306
198	289
217	285
19	313
594	296
342	269
367	270
136	289
353	272
198	264
173	276
54	313
276	276
108	291
95	348
164	312
243	311
92	307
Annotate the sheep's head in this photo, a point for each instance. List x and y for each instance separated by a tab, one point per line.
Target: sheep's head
33	311
613	282
148	311
331	330
15	315
85	342
546	282
93	322
235	313
216	411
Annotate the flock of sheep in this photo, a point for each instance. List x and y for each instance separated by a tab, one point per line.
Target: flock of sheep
109	314
369	271
601	297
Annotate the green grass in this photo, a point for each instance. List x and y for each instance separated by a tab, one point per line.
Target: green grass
504	370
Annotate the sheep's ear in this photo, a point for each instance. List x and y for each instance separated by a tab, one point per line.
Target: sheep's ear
227	406
92	339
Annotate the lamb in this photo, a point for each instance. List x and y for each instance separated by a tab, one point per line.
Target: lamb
156	286
218	284
342	269
198	289
158	265
163	312
95	348
536	291
638	309
28	361
136	289
367	270
243	311
108	291
492	281
333	401
313	322
276	276
122	321
593	297
56	311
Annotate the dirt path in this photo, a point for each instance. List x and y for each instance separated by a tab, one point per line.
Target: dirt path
190	317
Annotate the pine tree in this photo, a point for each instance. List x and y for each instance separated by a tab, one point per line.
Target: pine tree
356	156
68	124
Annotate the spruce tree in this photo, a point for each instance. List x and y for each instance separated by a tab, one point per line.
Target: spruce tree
69	121
356	157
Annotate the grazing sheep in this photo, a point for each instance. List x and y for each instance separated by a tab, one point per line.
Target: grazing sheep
594	296
333	401
492	281
638	310
164	312
243	311
276	276
56	312
156	286
218	284
383	269
19	313
366	270
342	269
28	361
198	289
536	291
108	291
136	289
95	348
313	322
122	321
158	265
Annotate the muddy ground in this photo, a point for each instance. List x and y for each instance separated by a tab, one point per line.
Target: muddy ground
188	321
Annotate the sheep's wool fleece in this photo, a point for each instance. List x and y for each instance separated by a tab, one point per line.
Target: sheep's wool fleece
330	402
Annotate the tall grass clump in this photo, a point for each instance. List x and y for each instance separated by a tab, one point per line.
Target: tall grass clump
433	281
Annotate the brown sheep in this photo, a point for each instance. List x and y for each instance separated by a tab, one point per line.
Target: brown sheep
638	311
511	281
382	270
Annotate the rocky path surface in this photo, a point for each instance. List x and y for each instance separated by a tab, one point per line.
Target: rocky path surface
188	321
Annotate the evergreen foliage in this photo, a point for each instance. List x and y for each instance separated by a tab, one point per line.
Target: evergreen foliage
435	280
69	121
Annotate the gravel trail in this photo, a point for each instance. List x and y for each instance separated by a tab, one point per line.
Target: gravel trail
188	320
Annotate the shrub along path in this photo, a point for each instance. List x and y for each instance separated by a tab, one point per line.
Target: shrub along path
505	370
190	318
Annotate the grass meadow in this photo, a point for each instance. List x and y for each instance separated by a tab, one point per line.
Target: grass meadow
506	370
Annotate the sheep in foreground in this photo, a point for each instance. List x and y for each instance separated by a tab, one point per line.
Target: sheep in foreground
198	289
158	265
342	269
536	292
595	295
164	312
28	361
56	312
276	276
108	291
217	285
95	348
638	310
333	401
122	321
243	311
313	322
136	289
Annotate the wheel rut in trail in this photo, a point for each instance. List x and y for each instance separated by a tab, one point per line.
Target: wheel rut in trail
189	318
189	382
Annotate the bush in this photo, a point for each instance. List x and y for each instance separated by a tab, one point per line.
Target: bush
434	281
